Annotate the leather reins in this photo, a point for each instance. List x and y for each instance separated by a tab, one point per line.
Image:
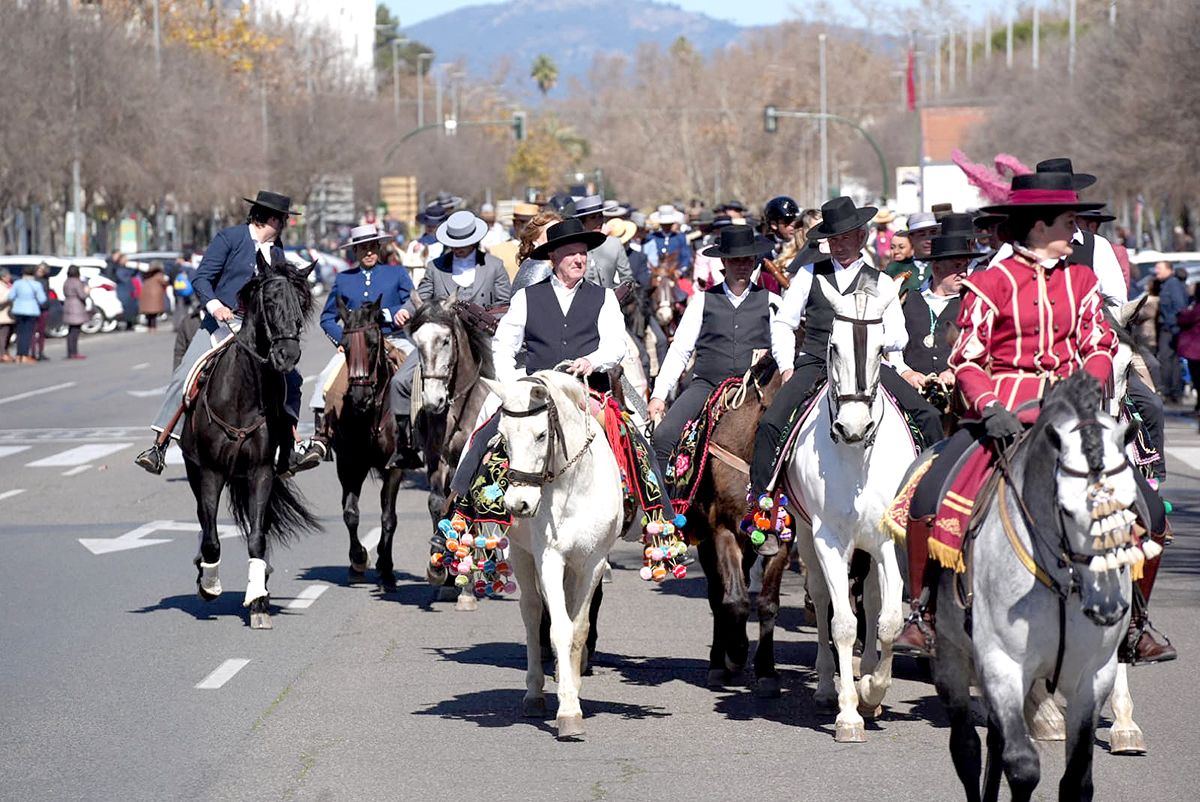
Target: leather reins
554	437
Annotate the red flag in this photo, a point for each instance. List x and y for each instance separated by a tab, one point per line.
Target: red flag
910	84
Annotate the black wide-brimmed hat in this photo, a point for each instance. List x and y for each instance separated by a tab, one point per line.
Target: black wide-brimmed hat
567	232
273	201
953	246
738	240
433	215
1097	216
983	222
839	216
958	224
1080	180
1051	191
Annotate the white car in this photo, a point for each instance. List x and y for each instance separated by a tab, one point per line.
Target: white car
102	303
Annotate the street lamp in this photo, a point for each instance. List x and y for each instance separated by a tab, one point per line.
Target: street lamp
421	89
396	42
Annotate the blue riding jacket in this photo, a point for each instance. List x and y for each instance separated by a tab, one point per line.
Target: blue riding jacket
658	244
229	262
389	284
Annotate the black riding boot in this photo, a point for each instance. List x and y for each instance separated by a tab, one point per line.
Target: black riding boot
317	450
153	459
405	456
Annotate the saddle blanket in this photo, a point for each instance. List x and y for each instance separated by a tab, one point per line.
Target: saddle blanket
688	459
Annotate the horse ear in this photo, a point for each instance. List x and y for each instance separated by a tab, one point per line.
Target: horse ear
494	387
305	271
1129	434
263	266
1052	434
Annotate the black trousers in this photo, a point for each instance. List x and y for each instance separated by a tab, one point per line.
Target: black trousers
1168	360
1149	405
685	407
776	423
73	340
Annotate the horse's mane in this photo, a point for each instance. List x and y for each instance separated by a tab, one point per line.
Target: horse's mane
1079	398
1126	334
442	311
299	283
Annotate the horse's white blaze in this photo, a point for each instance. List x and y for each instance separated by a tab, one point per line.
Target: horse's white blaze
210	582
435	343
846	487
256	583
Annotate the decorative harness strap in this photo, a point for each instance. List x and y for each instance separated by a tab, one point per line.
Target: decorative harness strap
555	433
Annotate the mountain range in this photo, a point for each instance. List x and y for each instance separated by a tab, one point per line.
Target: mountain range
571	32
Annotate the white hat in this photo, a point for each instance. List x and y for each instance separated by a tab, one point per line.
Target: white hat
361	235
461	229
668	214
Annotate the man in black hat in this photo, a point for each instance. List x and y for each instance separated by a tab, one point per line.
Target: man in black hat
229	262
724	327
929	314
608	265
844	227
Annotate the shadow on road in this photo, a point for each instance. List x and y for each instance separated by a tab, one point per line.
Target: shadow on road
224	606
500	707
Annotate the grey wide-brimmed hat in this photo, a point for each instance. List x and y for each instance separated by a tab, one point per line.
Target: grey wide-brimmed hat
590	204
461	229
920	221
614	208
361	235
433	215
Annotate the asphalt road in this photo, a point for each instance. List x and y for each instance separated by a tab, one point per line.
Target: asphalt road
104	657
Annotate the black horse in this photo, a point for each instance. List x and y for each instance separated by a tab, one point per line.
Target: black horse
363	434
237	426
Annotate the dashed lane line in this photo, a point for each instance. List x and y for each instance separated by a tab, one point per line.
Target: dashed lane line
222	674
306	597
39	391
6	451
79	455
10	493
78	469
140	366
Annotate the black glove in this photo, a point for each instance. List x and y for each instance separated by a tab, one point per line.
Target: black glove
999	423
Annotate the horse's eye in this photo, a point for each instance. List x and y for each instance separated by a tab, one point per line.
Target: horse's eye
540	436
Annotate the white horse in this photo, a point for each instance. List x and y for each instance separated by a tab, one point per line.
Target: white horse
1051	595
851	455
566	500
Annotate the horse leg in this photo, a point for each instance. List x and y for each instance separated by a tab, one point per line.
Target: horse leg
875	683
1125	737
551	569
534	703
825	696
258	599
735	603
207	486
833	556
582	594
767	685
351	473
872	605
953	681
1083	709
1008	738
1042	712
707	552
387	501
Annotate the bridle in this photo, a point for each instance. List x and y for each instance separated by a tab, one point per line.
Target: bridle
362	368
862	392
272	337
450	366
554	436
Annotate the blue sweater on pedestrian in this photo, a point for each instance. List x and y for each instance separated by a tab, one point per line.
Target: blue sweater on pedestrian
27	296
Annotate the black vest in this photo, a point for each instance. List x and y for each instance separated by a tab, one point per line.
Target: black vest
918	356
818	313
550	337
1084	254
729	335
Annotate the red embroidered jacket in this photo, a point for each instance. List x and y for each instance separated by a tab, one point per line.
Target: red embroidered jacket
1024	325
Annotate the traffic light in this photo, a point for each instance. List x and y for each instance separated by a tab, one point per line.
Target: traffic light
518	125
770	121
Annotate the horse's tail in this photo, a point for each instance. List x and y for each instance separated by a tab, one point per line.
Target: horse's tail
286	516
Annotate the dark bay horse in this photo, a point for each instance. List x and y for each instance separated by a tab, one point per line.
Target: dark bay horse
363	433
453	358
232	434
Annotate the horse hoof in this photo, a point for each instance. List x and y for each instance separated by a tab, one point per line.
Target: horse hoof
387	581
570	728
1130	742
207	595
768	688
261	621
533	707
437	578
850	732
716	678
1042	730
870	712
466	603
355	575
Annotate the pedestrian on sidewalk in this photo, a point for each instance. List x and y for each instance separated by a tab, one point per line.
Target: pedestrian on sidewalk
75	312
27	296
7	324
38	350
152	301
1189	340
1172	299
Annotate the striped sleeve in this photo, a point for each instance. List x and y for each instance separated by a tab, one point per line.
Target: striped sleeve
1097	342
969	356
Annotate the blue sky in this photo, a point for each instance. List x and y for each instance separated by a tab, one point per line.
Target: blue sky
743	12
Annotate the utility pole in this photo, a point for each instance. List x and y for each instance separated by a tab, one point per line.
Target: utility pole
1008	42
266	144
1112	13
937	65
1071	38
824	123
970	52
396	79
953	63
157	41
1036	37
438	86
987	39
77	241
421	89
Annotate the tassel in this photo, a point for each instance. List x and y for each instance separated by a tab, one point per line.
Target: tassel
1097	565
1110	561
1151	549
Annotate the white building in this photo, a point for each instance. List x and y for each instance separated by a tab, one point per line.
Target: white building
351	22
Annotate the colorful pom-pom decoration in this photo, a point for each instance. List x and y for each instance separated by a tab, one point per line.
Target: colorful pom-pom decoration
475	552
665	550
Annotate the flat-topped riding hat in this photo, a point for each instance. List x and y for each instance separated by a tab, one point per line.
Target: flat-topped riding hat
568	232
738	240
589	204
1052	191
839	216
273	201
950	246
461	229
1097	216
1061	165
361	235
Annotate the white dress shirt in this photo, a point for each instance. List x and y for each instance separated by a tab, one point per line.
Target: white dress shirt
787	319
1104	263
510	331
688	332
263	247
463	270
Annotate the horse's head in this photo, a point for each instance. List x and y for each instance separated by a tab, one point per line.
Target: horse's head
435	330
1094	490
538	416
362	343
278	303
855	353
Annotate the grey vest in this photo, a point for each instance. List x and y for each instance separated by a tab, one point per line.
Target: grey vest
917	319
729	335
818	313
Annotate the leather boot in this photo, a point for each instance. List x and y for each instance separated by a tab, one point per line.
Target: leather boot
405	456
153	459
917	637
1143	643
321	433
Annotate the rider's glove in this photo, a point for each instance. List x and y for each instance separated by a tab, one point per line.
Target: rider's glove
999	423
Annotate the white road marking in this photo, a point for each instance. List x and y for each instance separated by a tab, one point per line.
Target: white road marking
8	450
136	538
222	674
1187	454
78	469
157	391
307	596
174	455
11	493
79	455
140	366
308	380
32	393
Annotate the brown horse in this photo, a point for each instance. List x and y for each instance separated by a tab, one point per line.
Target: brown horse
663	280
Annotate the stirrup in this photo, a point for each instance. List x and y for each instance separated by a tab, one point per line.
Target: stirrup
153	459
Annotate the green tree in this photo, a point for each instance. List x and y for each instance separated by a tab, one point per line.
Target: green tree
544	73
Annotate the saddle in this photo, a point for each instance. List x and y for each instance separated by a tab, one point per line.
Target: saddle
200	372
